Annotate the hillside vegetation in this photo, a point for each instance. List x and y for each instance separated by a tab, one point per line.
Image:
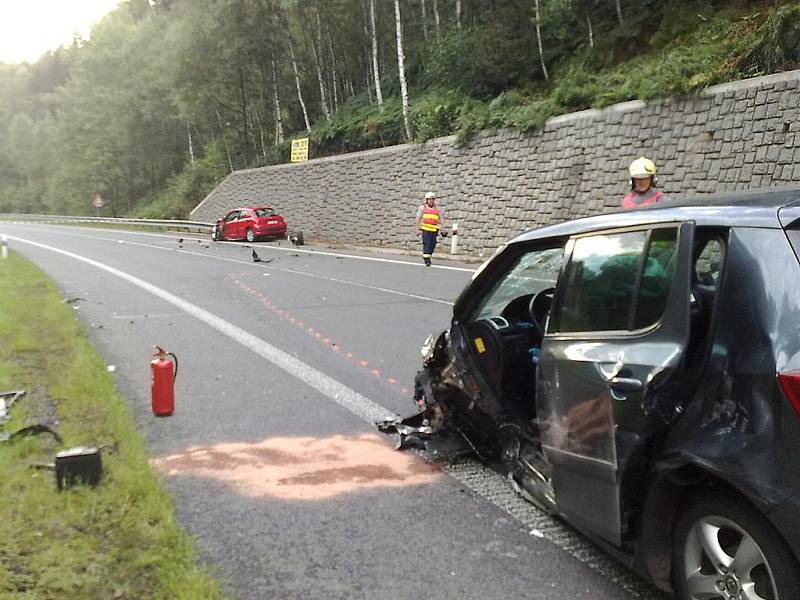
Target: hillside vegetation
169	96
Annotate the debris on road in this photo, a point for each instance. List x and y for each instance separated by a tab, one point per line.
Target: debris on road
78	465
36	429
256	257
7	400
72	300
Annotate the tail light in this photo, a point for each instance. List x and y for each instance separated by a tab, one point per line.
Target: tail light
790	384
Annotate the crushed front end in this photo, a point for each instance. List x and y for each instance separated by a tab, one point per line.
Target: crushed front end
457	416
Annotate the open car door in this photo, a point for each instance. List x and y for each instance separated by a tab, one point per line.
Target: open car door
618	331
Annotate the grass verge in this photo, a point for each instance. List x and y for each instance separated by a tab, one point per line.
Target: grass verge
119	540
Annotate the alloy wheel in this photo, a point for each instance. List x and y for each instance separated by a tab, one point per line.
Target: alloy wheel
723	562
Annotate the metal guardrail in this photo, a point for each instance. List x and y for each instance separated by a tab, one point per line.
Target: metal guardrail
188	226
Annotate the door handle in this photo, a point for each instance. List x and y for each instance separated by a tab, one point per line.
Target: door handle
625	384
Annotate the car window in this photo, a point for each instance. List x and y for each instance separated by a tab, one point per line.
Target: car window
606	275
531	273
708	263
659	266
244	214
264	212
232	215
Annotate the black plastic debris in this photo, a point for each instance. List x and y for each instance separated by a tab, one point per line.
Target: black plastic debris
256	258
78	466
418	431
28	431
71	300
297	238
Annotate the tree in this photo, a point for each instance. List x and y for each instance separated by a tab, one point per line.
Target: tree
539	39
401	68
375	69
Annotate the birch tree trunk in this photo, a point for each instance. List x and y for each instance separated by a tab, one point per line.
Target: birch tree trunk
297	82
224	141
424	22
244	136
316	52
436	18
619	10
375	71
334	73
401	68
277	101
539	40
458	14
191	145
252	129
368	52
261	127
591	31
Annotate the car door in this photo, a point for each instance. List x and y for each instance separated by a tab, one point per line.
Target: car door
616	334
245	222
229	225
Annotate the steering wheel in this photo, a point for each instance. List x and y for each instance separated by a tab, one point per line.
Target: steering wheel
540	305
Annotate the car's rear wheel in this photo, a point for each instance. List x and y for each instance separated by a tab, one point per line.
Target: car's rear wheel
251	237
725	549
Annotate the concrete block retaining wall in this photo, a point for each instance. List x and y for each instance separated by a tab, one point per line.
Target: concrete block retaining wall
734	136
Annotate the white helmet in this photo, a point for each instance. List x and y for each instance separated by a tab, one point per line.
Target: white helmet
642	168
430	195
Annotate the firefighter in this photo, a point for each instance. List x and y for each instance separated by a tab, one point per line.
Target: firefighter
429	222
643	184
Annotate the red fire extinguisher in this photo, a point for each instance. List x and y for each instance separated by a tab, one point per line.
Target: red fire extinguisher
163	388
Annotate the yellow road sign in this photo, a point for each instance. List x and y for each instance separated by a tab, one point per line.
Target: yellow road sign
299	150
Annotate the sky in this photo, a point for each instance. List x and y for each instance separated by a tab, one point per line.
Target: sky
29	28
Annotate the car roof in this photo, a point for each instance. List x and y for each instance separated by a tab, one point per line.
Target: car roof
259	207
749	208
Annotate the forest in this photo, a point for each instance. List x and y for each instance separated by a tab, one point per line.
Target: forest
169	96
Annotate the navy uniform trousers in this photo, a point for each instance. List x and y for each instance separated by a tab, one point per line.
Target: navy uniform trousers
428	243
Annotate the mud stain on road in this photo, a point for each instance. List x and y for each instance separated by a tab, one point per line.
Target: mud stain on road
302	468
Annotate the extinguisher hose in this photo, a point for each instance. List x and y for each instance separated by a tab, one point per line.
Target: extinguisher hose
174	358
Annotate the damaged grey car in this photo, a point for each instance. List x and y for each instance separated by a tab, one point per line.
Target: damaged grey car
638	375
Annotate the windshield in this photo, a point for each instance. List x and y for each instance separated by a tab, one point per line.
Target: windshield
532	272
264	212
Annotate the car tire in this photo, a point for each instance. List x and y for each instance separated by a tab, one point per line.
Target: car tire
250	236
722	545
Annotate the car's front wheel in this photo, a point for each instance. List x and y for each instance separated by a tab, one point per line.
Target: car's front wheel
725	549
251	237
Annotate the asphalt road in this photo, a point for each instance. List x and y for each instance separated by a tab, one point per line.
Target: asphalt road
274	465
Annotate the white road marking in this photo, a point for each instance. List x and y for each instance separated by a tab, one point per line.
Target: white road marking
344	396
276	248
481	480
263	264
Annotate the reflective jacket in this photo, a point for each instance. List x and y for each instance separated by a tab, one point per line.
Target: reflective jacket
430	218
634	199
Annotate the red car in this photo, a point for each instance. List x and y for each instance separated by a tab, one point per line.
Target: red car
249	224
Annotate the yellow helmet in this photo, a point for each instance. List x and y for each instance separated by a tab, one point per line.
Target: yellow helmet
641	168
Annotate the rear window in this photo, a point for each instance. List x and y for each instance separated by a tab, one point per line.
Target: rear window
265	212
